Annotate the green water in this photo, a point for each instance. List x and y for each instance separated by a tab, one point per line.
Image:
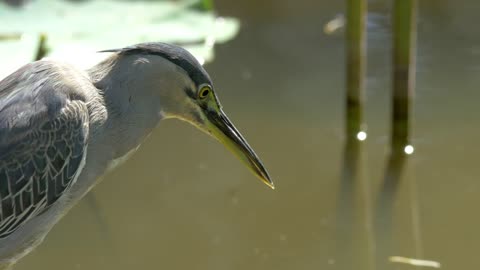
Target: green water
183	202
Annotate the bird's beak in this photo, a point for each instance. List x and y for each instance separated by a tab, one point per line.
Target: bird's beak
224	131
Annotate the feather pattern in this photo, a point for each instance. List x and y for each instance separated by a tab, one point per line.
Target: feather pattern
43	141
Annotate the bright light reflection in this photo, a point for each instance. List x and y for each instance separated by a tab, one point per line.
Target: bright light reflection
362	136
201	60
409	149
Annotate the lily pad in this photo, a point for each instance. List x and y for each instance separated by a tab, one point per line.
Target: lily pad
75	31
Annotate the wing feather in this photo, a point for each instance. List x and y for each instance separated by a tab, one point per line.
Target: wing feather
43	141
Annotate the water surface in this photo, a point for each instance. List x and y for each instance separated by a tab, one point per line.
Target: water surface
183	202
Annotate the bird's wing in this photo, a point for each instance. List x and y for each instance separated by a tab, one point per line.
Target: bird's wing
43	140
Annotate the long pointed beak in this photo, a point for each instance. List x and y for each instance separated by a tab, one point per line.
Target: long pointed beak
225	132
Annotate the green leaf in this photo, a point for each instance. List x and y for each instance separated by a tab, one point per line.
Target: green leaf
75	31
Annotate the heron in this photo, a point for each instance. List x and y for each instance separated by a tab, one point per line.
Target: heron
62	129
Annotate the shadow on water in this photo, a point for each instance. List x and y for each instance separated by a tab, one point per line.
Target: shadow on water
354	234
388	220
385	208
357	221
366	228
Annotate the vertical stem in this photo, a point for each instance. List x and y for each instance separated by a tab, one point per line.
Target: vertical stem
404	52
404	47
356	62
208	5
42	49
203	5
353	184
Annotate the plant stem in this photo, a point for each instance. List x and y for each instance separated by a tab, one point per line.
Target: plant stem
356	62
404	48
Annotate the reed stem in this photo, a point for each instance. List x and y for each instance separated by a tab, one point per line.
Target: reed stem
404	48
356	63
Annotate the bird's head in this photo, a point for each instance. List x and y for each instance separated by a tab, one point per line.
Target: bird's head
185	91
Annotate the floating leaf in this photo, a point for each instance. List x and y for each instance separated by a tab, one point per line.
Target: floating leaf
75	31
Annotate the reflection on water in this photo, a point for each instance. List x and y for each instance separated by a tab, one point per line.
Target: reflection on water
355	232
183	202
384	208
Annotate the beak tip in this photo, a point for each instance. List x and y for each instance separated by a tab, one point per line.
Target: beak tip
231	137
269	183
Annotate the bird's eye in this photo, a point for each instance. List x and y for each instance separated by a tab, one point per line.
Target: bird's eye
204	91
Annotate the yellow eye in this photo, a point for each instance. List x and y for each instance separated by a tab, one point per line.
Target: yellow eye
204	91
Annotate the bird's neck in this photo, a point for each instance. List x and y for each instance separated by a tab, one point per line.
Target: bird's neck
129	119
106	78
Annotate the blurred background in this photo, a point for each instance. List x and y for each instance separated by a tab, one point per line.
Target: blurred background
369	126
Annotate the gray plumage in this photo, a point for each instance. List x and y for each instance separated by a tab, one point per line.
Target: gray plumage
56	119
44	130
62	129
43	135
174	54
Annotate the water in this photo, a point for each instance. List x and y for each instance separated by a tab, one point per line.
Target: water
183	202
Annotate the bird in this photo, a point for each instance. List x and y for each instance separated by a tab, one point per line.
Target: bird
63	128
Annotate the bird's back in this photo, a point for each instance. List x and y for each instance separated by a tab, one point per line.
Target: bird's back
44	129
